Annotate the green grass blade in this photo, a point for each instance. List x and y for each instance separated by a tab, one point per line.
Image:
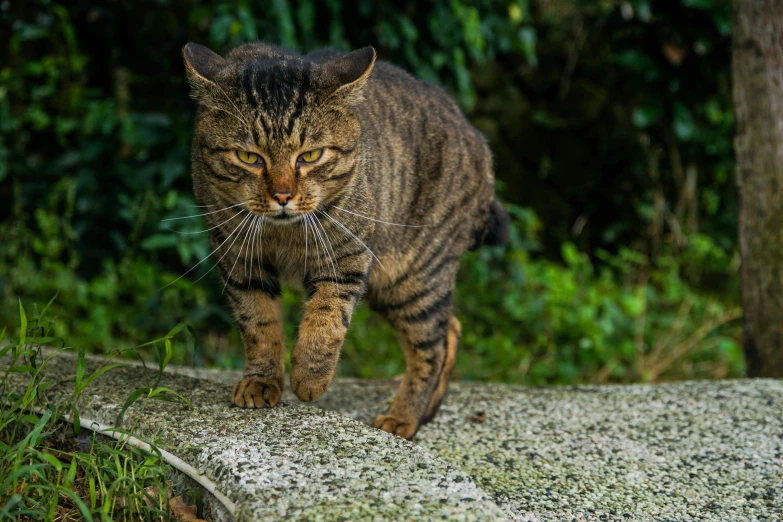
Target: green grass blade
177	329
12	502
70	477
43	340
162	389
134	396
101	371
92	490
77	422
51	459
31	469
22	369
81	364
79	503
168	353
32	438
23	328
46	308
45	386
6	348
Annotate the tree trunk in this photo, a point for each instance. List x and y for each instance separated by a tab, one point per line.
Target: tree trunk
757	62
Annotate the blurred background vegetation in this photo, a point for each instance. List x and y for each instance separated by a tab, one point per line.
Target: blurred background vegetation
611	122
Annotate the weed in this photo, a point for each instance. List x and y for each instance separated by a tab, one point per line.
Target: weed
53	469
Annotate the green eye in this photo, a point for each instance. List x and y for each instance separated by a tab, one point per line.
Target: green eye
313	155
248	157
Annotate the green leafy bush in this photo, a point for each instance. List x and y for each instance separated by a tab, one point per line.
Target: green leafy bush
626	319
611	124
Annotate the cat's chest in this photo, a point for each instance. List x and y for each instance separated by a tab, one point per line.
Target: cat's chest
284	249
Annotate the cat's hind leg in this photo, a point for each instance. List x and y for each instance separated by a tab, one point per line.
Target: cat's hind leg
430	338
453	336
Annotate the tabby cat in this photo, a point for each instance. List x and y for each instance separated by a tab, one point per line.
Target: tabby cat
352	178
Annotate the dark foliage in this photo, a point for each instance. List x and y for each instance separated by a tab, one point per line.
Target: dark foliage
611	122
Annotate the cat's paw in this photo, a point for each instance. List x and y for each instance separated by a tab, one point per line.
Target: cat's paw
256	392
309	386
405	428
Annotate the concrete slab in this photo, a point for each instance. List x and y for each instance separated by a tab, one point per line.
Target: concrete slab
681	451
291	462
710	450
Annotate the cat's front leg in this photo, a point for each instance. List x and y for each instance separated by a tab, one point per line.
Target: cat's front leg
322	331
257	309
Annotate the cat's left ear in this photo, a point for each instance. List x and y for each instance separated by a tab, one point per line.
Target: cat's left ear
201	67
350	72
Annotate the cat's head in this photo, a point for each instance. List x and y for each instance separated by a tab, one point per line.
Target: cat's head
275	131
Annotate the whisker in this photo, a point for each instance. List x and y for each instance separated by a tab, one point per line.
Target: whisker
241	249
378	220
331	248
211	253
321	234
304	225
204	214
309	219
261	247
206	230
353	236
252	249
246	221
320	240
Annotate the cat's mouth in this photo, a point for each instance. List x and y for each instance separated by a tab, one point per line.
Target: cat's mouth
283	215
287	216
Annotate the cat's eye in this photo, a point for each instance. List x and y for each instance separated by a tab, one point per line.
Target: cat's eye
311	156
249	157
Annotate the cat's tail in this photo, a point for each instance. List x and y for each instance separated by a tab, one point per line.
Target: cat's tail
496	228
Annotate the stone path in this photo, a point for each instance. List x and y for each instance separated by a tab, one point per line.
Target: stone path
685	451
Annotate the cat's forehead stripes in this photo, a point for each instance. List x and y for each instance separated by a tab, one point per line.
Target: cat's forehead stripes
277	95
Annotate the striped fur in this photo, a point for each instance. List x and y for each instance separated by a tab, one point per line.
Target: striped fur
404	187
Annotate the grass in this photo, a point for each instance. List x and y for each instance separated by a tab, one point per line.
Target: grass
51	467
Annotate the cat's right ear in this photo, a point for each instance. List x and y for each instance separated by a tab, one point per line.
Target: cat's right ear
201	67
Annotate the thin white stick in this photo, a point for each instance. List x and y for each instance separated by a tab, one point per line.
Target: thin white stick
170	458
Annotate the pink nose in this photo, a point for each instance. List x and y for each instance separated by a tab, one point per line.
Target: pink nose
282	197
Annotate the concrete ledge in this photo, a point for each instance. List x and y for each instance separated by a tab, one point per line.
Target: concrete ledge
709	450
290	462
683	451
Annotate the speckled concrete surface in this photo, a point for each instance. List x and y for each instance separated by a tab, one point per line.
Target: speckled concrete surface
685	451
291	462
708	450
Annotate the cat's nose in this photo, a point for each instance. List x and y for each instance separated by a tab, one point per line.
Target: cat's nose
283	197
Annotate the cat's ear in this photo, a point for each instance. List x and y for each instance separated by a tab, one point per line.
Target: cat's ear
201	67
349	73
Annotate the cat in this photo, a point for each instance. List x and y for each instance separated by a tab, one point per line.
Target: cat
354	179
